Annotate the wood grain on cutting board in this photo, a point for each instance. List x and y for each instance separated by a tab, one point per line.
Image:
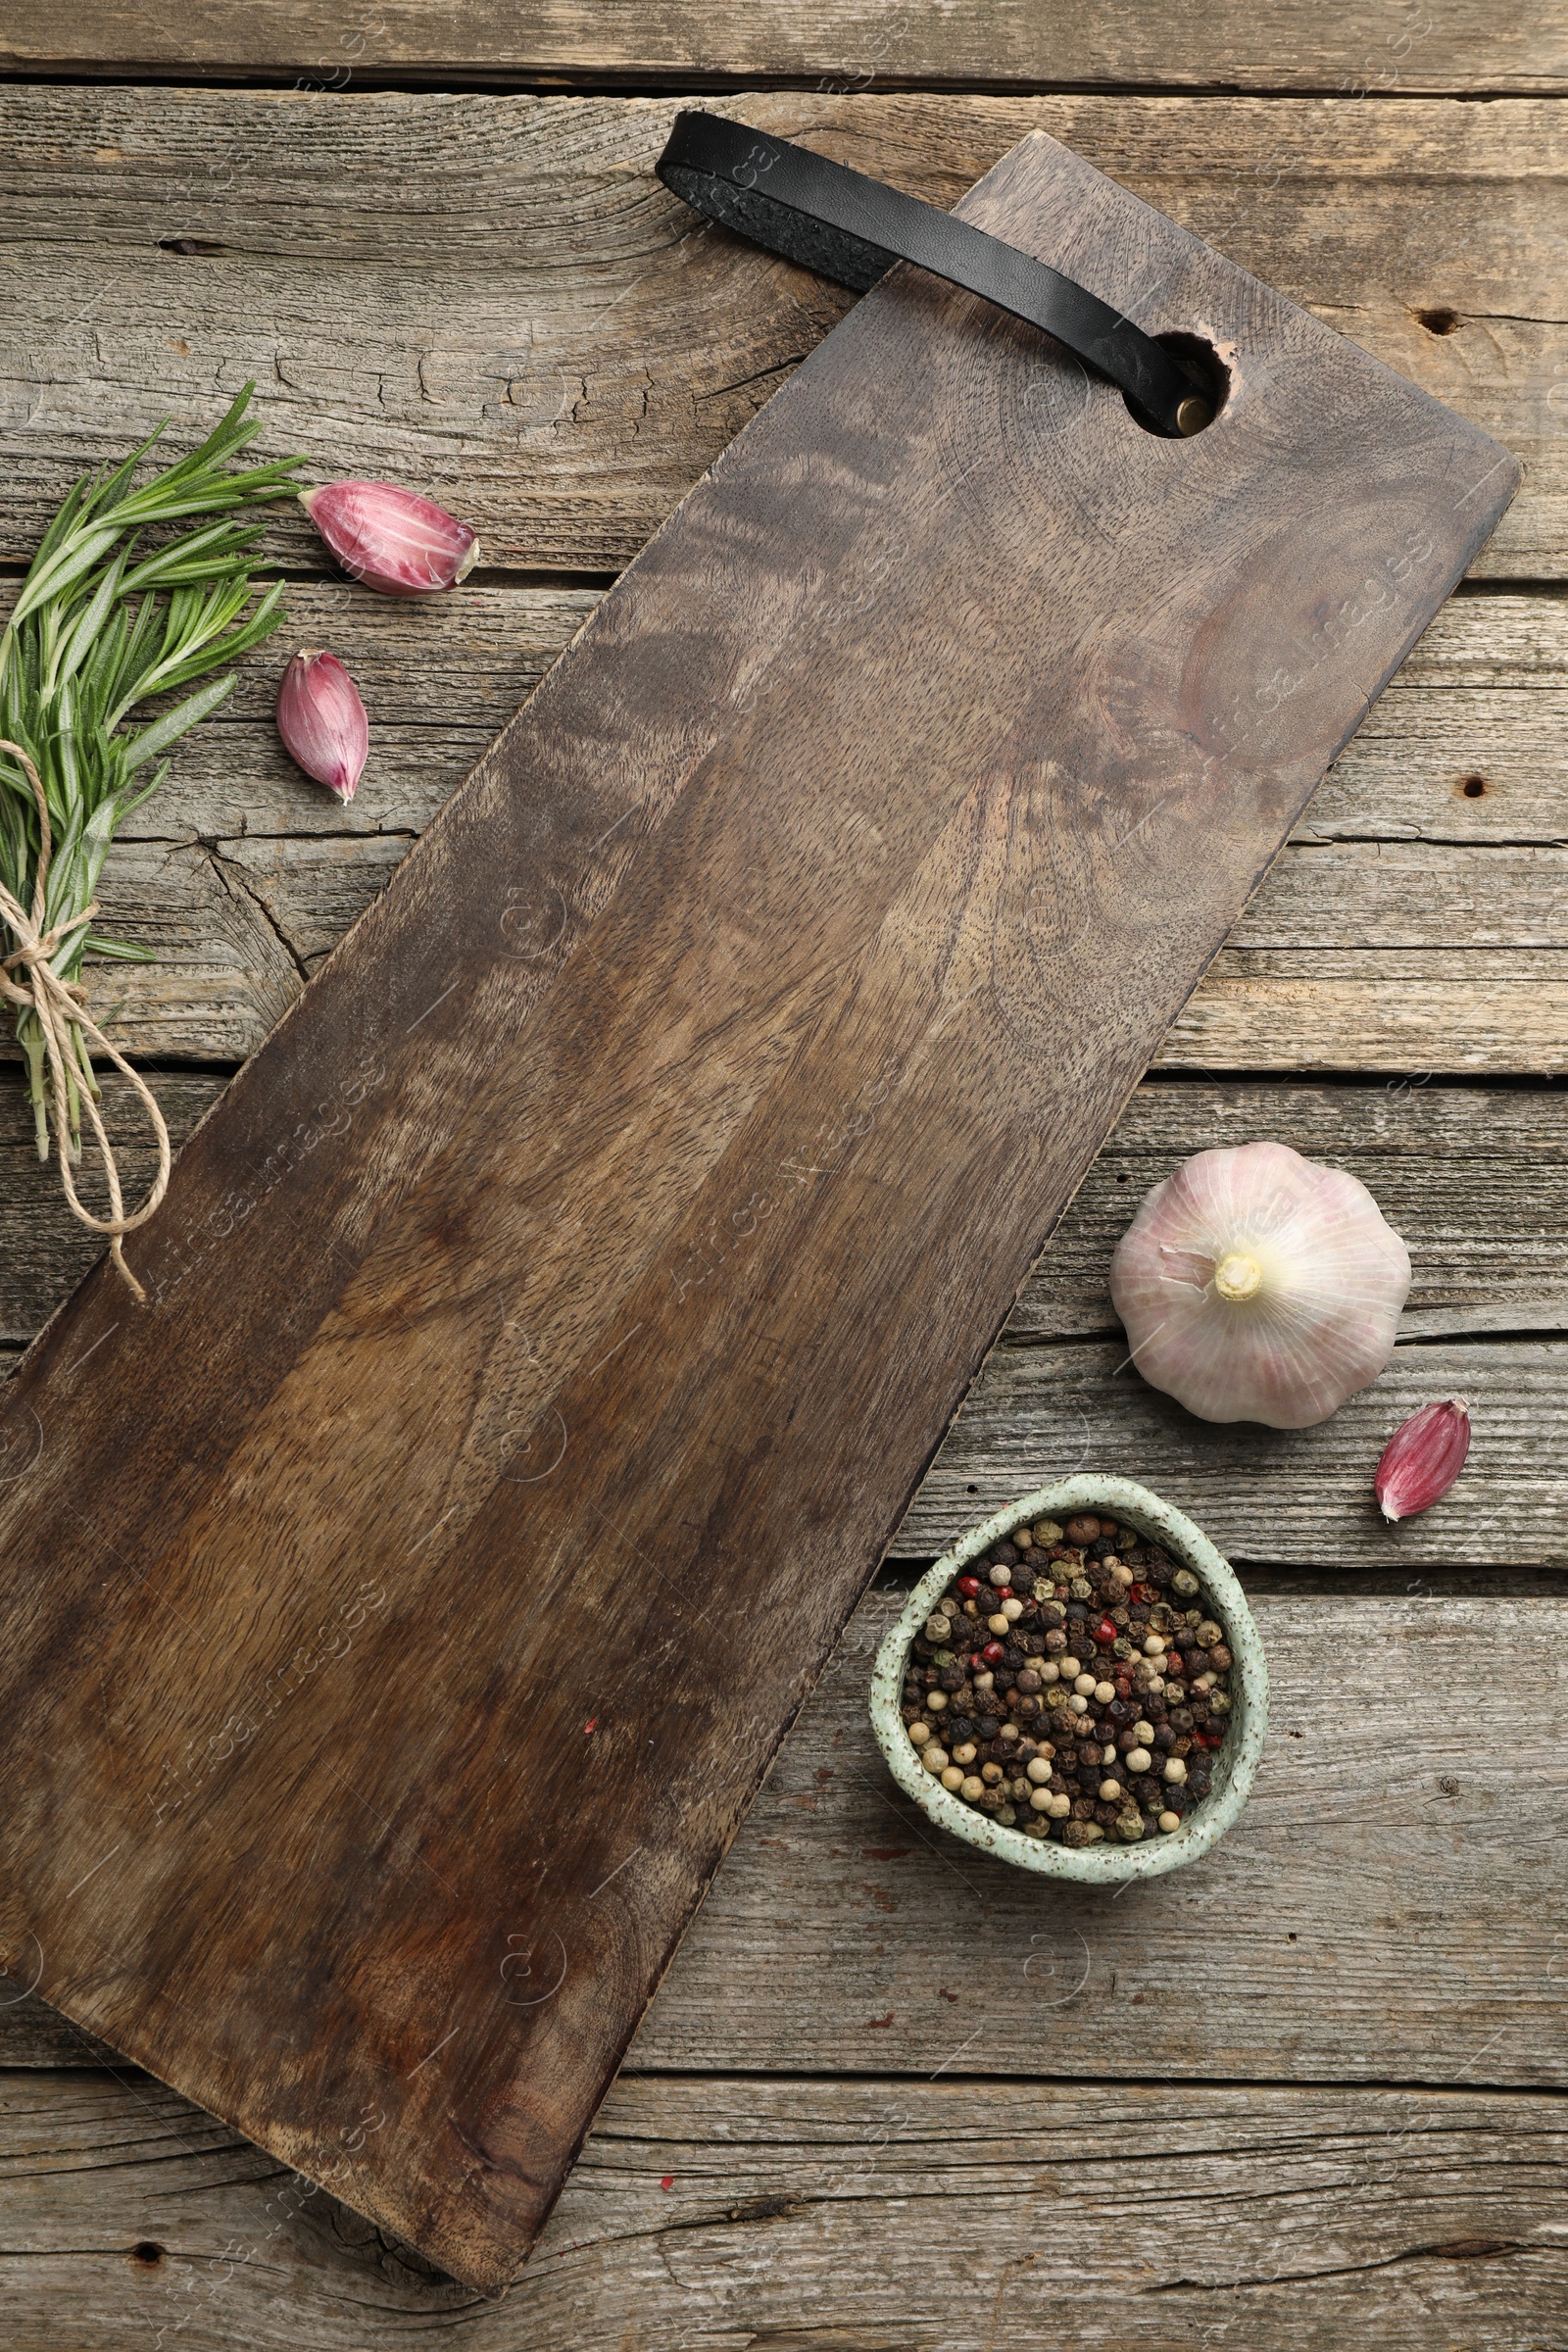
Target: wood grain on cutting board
550	1324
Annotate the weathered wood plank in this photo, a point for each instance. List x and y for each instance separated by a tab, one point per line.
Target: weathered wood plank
831	2216
44	1252
1302	1495
1290	44
237	925
1319	898
493	298
1482	700
1385	894
1476	1181
244	874
1485	1012
1464	765
1389	1874
1391	1863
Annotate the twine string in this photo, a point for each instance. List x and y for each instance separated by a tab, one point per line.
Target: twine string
58	1005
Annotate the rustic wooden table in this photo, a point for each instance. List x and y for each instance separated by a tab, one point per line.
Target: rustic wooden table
890	2096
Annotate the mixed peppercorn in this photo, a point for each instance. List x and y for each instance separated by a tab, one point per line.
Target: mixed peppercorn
1075	1684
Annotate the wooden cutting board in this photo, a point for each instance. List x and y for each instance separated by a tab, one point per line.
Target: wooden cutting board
552	1321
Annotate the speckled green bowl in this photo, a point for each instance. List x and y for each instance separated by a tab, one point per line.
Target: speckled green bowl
1235	1763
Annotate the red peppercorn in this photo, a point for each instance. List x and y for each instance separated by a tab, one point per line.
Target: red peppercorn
992	1653
969	1587
1143	1592
1104	1633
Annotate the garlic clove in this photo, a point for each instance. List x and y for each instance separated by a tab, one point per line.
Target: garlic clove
392	539
322	721
1259	1285
1423	1458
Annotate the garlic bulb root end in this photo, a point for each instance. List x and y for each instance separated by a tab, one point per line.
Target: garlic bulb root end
1296	1282
1237	1277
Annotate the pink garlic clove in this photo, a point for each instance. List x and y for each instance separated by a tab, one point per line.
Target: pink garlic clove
1257	1286
392	539
322	721
1423	1458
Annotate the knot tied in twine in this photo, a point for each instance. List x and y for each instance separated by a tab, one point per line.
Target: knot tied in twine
58	1008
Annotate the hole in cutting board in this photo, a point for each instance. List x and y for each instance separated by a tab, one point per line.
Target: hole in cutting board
1201	360
1474	788
1439	321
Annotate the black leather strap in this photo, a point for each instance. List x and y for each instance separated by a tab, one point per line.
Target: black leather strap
853	229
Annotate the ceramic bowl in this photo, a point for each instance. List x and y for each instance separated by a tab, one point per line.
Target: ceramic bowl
1234	1764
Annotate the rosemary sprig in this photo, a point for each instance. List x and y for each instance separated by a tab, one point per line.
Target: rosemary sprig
99	628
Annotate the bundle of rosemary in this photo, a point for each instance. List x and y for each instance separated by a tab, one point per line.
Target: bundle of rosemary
102	625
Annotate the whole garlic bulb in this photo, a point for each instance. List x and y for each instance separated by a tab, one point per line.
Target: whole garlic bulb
1256	1286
